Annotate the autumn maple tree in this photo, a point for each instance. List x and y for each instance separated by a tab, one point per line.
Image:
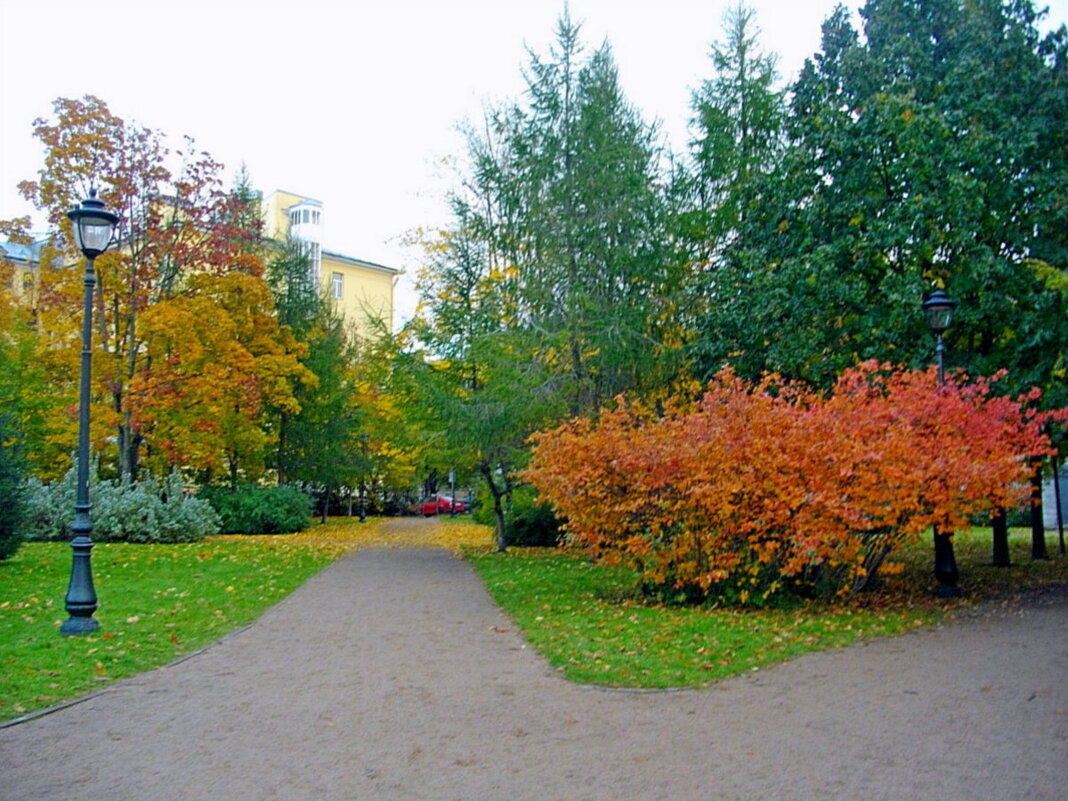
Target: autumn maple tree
759	487
174	223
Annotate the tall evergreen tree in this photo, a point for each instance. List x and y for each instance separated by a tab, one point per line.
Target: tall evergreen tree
737	151
567	187
555	288
923	153
738	130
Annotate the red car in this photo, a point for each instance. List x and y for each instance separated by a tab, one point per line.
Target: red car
447	504
441	505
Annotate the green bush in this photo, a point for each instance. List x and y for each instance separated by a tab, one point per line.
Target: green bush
482	508
11	494
530	524
144	511
252	509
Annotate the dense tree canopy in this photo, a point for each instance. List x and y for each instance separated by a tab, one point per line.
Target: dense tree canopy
197	364
797	234
926	150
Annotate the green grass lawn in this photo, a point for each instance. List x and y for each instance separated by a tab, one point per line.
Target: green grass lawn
157	602
583	617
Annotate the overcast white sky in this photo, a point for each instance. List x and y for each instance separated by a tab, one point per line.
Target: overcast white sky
354	103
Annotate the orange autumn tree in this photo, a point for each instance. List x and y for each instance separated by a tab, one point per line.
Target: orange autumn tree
218	370
175	219
762	487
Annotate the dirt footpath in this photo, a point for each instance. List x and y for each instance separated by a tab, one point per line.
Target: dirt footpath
392	675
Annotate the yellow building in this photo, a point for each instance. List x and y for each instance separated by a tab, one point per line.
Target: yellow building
18	267
361	290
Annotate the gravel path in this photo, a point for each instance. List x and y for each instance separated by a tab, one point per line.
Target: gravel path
391	675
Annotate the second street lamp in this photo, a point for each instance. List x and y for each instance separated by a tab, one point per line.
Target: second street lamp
938	308
93	226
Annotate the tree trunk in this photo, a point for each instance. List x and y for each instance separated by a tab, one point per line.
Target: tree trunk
283	441
1000	525
1038	527
1057	500
498	507
129	439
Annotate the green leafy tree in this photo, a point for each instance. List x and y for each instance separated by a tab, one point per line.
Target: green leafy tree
24	386
477	380
555	287
322	445
738	125
923	153
737	152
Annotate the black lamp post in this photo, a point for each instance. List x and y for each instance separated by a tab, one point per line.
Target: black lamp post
93	229
939	308
452	491
364	460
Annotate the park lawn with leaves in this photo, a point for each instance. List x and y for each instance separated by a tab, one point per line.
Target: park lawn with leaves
157	603
586	620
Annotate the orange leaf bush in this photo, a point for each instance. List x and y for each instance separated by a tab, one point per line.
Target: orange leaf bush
757	488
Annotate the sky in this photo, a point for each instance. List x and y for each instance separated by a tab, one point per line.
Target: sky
356	104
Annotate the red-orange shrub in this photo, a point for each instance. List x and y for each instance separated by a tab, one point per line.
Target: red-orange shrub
758	487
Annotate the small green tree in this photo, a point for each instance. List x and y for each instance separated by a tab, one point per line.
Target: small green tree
319	445
10	491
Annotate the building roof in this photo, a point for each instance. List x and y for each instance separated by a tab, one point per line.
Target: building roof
27	253
301	198
360	262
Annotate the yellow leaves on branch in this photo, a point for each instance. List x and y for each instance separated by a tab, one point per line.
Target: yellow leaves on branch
218	362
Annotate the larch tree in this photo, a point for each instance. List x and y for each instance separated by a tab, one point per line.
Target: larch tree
567	186
736	155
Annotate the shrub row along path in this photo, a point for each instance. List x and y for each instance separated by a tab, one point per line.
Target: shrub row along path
392	675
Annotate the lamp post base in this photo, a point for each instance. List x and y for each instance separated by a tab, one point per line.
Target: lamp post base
78	626
947	591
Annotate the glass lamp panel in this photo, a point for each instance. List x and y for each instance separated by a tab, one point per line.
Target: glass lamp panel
93	234
939	317
938	309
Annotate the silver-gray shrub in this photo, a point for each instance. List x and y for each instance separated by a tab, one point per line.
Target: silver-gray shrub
149	510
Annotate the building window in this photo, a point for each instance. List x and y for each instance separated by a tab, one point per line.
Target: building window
337	285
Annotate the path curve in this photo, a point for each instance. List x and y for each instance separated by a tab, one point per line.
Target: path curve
392	675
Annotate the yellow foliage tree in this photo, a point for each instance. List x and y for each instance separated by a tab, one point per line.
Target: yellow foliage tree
218	369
